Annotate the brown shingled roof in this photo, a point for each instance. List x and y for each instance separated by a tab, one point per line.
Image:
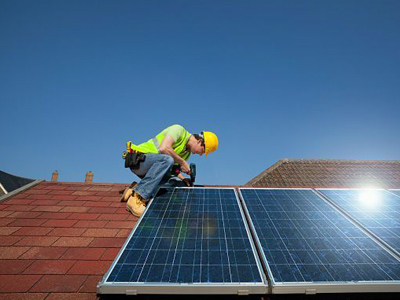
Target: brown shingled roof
330	173
58	239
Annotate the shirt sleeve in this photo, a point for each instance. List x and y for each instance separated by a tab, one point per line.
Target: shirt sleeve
175	131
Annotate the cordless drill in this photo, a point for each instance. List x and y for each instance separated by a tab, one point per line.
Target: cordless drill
176	169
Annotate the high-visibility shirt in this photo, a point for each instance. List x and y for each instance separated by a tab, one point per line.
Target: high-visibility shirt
176	132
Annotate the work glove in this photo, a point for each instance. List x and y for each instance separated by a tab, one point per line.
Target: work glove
188	182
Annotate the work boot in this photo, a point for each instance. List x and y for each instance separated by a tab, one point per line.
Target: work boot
136	205
128	192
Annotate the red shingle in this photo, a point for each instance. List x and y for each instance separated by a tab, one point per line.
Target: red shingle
14	266
59	283
50	267
90	267
110	254
40	197
114	217
28	222
26	215
18	208
36	191
6	221
60	192
83	193
46	202
12	252
54	216
32	231
107	242
72	203
44	253
84	253
83	216
121	224
88	198
59	223
23	296
8	230
64	197
3	206
67	232
19	201
47	208
75	209
123	233
91	224
73	242
37	241
72	296
17	283
9	240
97	204
5	213
90	284
100	232
103	210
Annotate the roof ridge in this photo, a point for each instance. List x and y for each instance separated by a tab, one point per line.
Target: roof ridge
315	160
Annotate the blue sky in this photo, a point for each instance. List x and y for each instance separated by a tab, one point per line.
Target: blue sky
273	79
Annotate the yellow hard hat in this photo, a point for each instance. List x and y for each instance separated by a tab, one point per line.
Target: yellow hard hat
210	142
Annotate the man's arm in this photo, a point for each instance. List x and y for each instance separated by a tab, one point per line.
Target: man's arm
166	148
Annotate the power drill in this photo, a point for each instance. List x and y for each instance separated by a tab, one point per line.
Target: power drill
176	169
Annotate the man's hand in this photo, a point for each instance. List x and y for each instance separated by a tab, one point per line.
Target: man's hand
185	167
188	182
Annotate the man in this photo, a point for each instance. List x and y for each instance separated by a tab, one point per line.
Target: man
152	160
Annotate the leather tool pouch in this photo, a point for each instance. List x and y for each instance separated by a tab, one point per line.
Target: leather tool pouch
133	160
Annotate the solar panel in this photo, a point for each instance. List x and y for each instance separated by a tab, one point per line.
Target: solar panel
376	210
308	246
190	240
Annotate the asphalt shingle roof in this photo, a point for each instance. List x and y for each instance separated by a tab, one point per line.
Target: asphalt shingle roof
58	239
330	173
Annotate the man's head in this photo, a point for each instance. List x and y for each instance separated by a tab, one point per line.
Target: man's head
205	142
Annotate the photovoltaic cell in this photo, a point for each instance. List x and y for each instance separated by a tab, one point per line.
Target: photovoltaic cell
189	236
376	210
306	240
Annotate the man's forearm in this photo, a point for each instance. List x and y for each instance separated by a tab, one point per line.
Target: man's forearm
169	151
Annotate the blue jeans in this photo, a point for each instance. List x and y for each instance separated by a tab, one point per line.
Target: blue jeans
153	171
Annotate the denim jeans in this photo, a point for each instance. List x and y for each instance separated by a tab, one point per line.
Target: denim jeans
153	171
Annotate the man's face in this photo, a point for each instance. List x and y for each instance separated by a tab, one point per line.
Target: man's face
198	148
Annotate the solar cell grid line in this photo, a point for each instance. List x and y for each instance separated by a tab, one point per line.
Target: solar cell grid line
188	241
377	210
308	246
396	192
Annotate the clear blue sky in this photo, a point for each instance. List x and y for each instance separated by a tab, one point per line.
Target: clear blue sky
273	79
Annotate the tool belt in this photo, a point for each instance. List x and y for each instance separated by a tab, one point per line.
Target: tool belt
133	159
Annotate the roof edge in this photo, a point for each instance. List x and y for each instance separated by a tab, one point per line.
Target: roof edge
21	189
270	169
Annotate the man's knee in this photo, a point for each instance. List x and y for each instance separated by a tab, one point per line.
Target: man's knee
168	159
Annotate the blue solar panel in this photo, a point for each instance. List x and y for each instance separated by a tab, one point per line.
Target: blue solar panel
189	236
306	240
376	210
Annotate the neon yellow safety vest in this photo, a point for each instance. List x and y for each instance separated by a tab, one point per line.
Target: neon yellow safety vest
153	145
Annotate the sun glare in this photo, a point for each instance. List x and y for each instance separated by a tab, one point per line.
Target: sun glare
370	198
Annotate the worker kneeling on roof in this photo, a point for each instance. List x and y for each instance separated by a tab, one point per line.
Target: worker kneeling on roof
152	160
